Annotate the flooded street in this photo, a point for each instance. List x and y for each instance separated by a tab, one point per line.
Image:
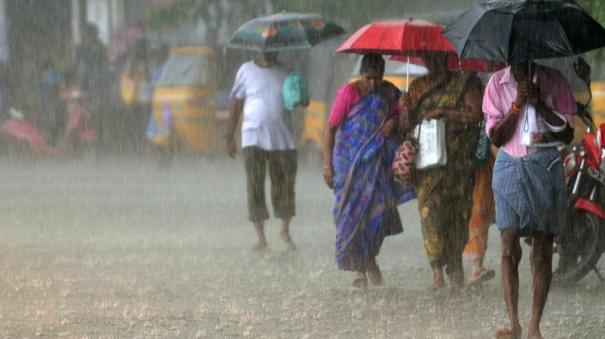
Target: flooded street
114	247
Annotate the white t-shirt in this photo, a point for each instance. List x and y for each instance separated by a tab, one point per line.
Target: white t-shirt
263	125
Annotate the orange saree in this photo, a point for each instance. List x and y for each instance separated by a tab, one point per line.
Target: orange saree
483	213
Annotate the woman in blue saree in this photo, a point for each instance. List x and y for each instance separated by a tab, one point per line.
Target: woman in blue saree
358	154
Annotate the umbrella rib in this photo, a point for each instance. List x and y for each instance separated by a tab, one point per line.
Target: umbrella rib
510	41
569	47
470	31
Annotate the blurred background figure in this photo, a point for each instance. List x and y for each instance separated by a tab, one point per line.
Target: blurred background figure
90	59
135	90
93	75
164	151
4	93
159	56
52	118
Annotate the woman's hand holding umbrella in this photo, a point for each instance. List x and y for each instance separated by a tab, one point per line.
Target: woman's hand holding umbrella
405	103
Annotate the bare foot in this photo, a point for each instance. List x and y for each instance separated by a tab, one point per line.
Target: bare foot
453	285
290	247
361	281
259	246
289	244
509	333
455	279
534	334
481	275
374	275
438	281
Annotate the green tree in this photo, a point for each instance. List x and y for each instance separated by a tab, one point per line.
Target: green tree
596	8
352	14
214	14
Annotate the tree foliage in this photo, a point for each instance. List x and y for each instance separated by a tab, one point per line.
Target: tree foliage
349	13
596	8
214	13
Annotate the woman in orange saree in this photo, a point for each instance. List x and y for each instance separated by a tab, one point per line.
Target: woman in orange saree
482	216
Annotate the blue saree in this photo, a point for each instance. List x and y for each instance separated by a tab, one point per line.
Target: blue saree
366	196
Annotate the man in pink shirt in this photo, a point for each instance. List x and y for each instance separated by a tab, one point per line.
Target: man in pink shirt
528	182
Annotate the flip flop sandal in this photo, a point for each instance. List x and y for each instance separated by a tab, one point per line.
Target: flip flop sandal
485	274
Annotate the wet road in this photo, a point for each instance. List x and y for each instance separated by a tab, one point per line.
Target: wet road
113	247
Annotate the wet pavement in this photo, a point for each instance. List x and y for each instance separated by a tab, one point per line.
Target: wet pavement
113	247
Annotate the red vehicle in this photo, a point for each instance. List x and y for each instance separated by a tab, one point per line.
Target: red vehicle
78	132
583	241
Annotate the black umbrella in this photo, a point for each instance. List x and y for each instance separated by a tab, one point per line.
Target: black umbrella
506	30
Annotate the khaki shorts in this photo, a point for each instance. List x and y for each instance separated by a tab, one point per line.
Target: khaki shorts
282	173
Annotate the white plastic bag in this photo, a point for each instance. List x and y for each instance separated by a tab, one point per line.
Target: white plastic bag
532	127
433	149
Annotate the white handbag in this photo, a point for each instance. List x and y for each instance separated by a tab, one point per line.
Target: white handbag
433	148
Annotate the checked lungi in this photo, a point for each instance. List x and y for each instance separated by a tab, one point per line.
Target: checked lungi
530	192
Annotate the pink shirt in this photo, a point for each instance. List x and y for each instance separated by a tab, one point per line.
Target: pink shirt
346	98
501	91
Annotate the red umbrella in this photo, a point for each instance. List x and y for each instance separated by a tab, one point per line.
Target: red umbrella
454	64
397	37
405	40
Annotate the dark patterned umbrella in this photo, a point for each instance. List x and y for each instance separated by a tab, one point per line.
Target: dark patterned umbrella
506	30
283	32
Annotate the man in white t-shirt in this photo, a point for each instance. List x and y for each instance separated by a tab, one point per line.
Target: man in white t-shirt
266	142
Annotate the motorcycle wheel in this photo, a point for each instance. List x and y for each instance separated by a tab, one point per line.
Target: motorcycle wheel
581	248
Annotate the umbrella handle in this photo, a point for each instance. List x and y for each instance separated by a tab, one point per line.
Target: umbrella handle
407	75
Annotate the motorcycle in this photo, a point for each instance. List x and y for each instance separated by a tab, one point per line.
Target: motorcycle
79	133
583	240
16	132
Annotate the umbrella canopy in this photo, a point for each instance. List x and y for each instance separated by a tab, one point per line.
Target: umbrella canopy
506	30
455	64
284	31
397	37
398	67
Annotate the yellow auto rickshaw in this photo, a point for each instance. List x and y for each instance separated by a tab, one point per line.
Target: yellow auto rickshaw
183	100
